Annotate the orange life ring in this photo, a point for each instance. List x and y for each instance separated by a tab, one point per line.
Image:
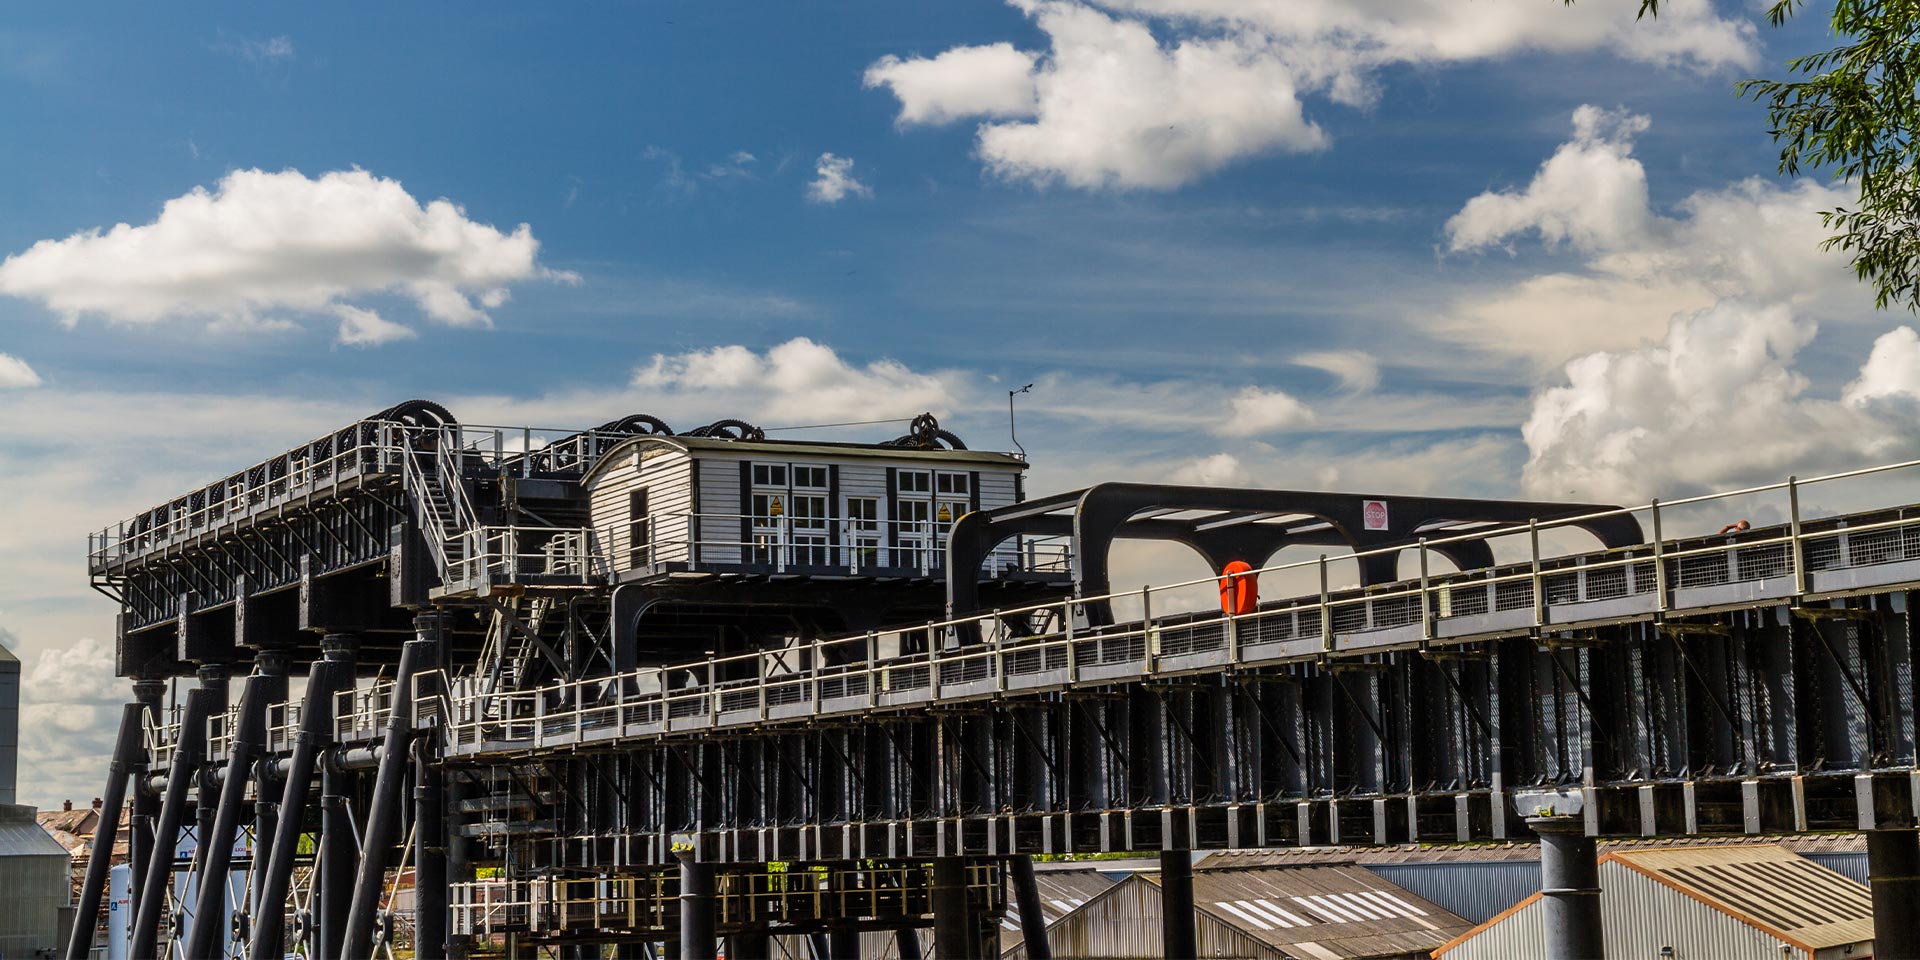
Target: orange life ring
1239	588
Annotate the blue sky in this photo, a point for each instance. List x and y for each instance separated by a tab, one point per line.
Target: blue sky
1393	244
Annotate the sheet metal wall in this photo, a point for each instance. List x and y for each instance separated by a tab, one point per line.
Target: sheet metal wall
1640	915
1476	890
35	868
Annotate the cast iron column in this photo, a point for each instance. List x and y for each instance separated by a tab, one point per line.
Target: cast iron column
1177	936
953	935
127	750
750	945
907	940
245	742
316	729
1026	896
698	918
339	848
1569	888
146	802
1893	867
266	783
383	809
154	886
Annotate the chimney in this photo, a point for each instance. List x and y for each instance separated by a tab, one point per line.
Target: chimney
9	723
96	804
66	806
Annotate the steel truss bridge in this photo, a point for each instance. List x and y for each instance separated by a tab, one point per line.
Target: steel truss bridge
490	705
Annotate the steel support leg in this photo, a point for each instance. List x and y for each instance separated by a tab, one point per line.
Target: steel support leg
953	936
1570	889
1893	867
316	729
907	940
750	945
1177	936
844	944
146	803
698	920
155	886
128	747
1026	896
214	679
430	857
248	738
339	846
818	946
383	811
266	804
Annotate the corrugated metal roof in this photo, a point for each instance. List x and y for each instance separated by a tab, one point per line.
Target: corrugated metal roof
1767	886
1508	850
1343	910
20	836
1061	892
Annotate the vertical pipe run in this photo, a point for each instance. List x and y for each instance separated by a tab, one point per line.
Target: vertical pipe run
316	729
339	849
1177	933
383	810
1569	888
1893	868
186	763
146	803
1026	896
953	936
266	810
699	933
245	742
430	857
127	750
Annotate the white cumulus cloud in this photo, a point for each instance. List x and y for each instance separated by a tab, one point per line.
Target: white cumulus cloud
833	180
1754	239
1716	403
366	328
15	374
995	80
1157	93
796	381
261	244
1256	411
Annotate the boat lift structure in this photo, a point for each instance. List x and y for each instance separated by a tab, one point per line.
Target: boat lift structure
597	692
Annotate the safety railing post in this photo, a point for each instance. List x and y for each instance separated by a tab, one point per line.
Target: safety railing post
1233	620
713	693
1066	630
1426	608
873	674
760	668
1793	533
813	678
1539	595
1659	560
1149	634
1326	609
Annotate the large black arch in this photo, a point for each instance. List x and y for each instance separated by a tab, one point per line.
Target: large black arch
1233	529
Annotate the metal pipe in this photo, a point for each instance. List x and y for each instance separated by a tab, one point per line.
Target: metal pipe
266	776
843	944
339	847
1893	870
754	944
247	739
1026	896
1569	888
430	857
166	832
127	750
383	810
146	803
1177	933
698	921
316	722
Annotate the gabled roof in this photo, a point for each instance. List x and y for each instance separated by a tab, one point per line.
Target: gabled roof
1765	886
810	449
1768	887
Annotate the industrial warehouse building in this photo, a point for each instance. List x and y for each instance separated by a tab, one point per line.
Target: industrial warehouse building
1319	912
1745	902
